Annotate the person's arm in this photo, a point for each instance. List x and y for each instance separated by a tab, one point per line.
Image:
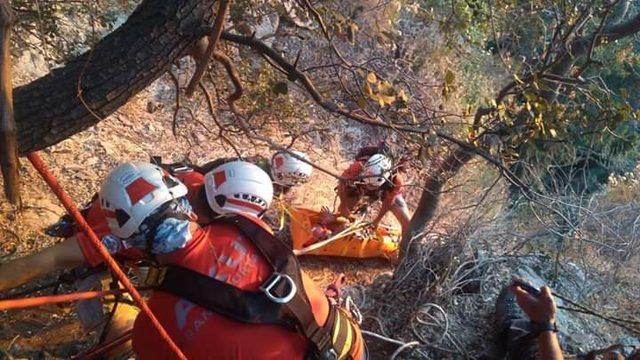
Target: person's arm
540	309
395	203
549	347
384	209
400	210
63	255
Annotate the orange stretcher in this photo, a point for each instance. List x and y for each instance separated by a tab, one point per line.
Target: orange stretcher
357	241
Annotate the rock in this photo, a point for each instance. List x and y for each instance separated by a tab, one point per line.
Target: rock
30	65
267	27
630	345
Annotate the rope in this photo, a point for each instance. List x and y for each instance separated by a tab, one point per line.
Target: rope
402	345
24	303
67	202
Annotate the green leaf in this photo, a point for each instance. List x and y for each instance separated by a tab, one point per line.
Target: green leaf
351	32
281	88
449	78
362	103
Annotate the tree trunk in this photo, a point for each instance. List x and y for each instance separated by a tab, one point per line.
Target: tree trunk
8	146
91	87
428	204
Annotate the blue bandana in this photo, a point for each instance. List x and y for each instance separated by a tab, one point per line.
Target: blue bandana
170	235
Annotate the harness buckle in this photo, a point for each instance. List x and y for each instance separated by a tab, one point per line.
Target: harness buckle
269	286
329	354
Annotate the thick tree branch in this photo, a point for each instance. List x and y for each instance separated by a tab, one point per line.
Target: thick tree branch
581	46
158	33
233	75
429	200
8	141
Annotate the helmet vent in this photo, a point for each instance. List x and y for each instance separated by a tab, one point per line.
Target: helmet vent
121	217
221	200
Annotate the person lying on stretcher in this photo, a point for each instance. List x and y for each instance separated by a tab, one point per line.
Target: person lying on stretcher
328	225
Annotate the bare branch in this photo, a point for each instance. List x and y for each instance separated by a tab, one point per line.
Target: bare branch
233	75
214	37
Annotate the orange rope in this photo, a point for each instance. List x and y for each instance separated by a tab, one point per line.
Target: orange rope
67	202
29	302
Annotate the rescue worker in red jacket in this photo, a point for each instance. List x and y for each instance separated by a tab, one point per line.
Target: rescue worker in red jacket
371	177
145	209
285	170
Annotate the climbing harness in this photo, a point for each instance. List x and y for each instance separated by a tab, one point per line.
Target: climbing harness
281	300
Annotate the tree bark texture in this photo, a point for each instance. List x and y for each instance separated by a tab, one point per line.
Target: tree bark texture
8	145
98	82
428	203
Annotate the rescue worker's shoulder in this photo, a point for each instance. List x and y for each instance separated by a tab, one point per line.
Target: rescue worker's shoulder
354	170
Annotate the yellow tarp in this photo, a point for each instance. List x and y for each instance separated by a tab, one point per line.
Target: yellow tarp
364	243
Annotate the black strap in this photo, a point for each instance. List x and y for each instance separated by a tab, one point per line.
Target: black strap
223	298
284	261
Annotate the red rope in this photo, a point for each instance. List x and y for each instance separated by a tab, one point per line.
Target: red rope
29	302
67	202
101	349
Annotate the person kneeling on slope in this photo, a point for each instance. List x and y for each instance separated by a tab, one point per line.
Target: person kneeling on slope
373	177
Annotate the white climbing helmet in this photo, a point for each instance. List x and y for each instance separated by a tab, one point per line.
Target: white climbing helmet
132	191
376	171
238	187
287	170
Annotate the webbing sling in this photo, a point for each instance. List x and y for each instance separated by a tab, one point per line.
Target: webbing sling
284	264
282	300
